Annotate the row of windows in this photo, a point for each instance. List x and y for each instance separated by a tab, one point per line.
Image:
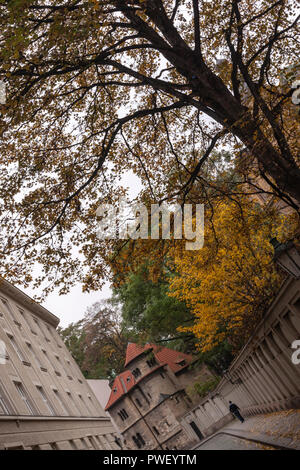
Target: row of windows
6	408
123	414
43	364
37	359
151	362
136	372
32	323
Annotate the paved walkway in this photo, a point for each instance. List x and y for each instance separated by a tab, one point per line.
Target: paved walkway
226	442
278	429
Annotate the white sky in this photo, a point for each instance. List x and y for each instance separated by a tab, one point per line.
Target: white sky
72	306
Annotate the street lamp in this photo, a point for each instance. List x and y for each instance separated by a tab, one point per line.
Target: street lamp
287	257
228	376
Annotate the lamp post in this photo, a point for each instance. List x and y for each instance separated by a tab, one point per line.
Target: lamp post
287	257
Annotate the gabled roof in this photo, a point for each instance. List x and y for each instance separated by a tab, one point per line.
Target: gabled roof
176	360
122	384
133	351
163	397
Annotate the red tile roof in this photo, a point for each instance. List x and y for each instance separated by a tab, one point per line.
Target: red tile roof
134	350
125	381
122	384
176	360
162	355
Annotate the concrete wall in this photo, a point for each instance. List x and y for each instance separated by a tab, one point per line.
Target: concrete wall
265	378
39	433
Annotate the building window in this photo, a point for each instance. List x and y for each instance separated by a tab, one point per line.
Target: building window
156	430
37	360
138	402
123	414
136	372
137	443
16	348
162	375
23	394
40	329
9	310
47	360
38	324
86	407
5	407
138	440
71	398
22	313
61	402
54	446
45	400
152	362
91	407
182	362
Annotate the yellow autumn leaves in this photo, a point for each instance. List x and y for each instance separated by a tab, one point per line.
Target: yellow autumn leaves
230	282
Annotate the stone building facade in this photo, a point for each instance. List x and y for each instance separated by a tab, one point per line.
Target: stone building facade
45	402
149	398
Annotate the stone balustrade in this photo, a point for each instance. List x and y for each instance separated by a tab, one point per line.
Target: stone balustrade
263	377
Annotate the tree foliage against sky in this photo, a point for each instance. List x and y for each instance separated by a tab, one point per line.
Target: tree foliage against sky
230	283
98	342
95	88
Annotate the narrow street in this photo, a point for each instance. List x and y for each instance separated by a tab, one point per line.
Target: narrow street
271	431
226	442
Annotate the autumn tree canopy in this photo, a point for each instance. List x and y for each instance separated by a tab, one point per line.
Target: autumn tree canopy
95	88
151	313
230	283
98	342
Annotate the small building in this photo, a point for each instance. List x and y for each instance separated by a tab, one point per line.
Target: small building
149	398
102	392
45	401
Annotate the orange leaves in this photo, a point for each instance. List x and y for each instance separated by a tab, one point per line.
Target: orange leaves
230	282
74	70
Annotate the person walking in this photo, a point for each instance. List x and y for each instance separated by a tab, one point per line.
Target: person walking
234	409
